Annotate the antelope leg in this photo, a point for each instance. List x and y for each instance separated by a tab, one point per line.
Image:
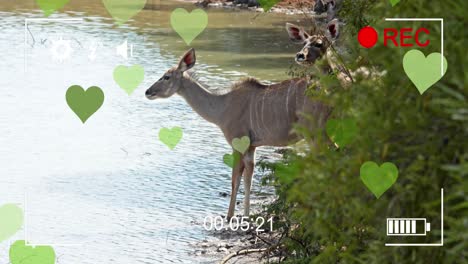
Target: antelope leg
236	177
249	163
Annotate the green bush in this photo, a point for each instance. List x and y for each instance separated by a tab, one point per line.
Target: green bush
325	211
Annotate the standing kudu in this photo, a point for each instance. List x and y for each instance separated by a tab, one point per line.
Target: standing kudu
264	113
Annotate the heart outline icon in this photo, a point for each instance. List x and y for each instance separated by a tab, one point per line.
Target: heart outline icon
129	78
50	6
342	131
84	103
394	2
189	25
12	218
20	253
123	10
268	4
378	179
424	71
170	137
231	159
241	144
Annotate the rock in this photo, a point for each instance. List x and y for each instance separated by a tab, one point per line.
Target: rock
203	3
215	5
249	3
204	245
223	249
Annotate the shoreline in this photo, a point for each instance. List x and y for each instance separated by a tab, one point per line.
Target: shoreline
228	246
288	7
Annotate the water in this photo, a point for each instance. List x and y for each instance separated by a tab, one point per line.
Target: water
109	191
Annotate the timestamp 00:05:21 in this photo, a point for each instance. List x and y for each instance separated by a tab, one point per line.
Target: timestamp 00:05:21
236	223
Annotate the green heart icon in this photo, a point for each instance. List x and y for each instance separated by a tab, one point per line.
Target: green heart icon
378	179
267	4
50	6
123	10
394	2
170	137
424	71
342	131
189	25
231	159
11	220
128	78
241	144
22	254
84	103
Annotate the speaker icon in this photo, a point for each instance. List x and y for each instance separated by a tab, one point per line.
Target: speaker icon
122	50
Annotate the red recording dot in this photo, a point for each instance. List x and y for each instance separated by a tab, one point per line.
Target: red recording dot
367	37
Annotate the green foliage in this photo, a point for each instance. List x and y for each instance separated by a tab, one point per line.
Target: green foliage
323	208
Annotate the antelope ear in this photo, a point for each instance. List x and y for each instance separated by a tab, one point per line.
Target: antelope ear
187	61
296	33
333	29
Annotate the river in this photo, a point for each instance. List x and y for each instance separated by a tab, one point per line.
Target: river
109	191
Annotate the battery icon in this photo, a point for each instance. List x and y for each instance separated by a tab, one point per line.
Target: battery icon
407	226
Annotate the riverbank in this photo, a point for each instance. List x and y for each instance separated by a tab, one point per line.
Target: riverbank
227	246
290	7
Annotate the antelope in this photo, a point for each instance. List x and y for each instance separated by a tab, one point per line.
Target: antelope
264	113
320	44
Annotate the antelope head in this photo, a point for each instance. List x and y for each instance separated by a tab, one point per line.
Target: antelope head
171	81
316	44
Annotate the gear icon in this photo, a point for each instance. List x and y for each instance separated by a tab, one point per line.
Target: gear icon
61	50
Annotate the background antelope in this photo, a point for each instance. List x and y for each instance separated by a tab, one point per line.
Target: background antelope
264	113
317	46
320	44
